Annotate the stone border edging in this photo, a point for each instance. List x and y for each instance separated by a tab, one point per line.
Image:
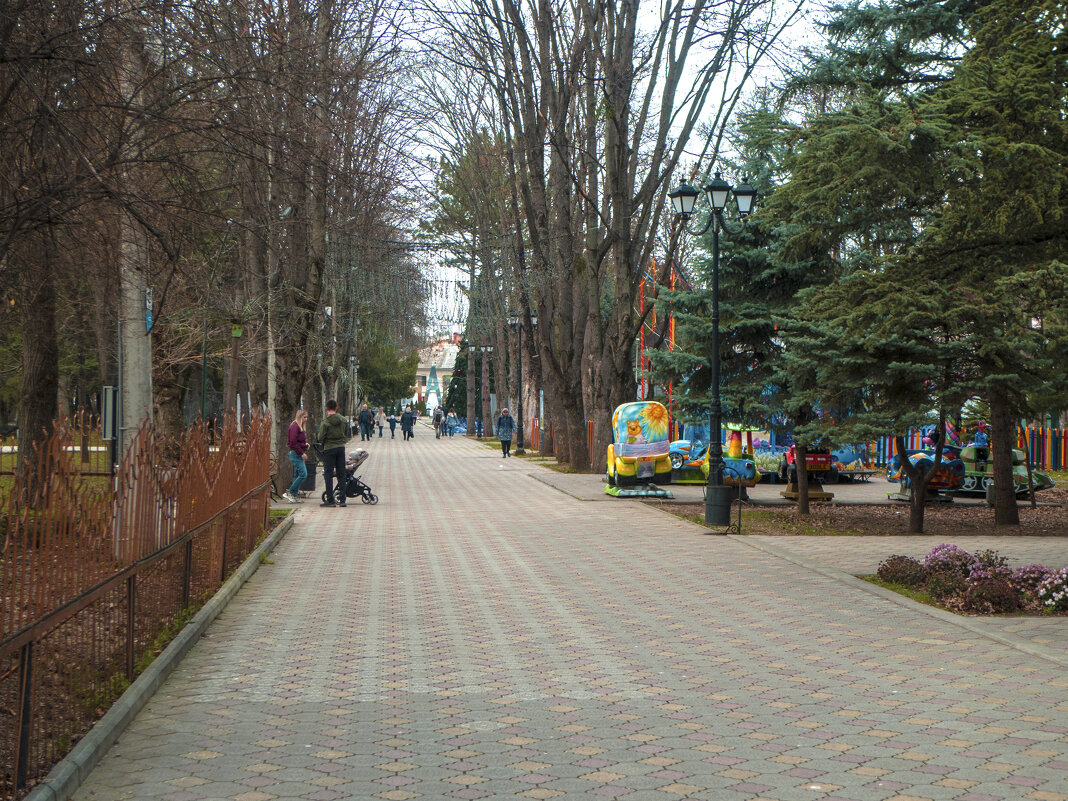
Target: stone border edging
69	773
1011	640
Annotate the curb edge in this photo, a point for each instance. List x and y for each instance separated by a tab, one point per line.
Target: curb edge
69	773
1010	640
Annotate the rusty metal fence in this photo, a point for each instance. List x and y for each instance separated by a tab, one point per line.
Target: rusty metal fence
591	430
95	570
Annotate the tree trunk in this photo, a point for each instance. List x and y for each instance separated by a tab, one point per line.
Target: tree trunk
40	362
801	464
575	425
63	404
917	489
471	378
1002	429
917	505
487	421
169	423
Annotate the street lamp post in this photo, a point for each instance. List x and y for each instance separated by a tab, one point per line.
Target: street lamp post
683	200
354	395
354	365
516	321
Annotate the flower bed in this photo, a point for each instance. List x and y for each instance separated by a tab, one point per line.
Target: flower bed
977	584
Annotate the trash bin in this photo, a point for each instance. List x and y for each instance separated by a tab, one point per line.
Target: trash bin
309	482
990	494
718	504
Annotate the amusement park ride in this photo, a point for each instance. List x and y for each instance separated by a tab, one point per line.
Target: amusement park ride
645	455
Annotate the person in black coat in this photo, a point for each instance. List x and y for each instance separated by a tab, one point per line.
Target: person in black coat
505	430
408	422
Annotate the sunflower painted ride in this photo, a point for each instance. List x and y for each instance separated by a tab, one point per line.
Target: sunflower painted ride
638	457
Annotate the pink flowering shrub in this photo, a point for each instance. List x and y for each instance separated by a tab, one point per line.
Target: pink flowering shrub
980	583
991	596
989	565
1028	578
1053	592
947	558
903	570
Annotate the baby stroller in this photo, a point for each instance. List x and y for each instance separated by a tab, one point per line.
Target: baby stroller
353	485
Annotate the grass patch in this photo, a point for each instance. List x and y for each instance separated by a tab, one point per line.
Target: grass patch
562	467
96	701
916	595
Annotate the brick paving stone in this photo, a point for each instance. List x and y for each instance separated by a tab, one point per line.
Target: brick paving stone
480	634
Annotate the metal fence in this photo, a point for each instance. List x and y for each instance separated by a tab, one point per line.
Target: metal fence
90	456
95	569
550	433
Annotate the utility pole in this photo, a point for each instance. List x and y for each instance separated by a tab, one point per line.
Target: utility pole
135	311
135	324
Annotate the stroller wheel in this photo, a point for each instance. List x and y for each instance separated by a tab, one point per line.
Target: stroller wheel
339	495
370	498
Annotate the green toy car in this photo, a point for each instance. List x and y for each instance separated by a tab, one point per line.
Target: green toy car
979	471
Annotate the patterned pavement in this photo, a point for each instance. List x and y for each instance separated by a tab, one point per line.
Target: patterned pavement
480	634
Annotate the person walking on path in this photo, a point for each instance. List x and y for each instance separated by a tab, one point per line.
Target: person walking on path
392	425
505	431
439	420
451	421
297	440
367	422
380	421
332	435
407	422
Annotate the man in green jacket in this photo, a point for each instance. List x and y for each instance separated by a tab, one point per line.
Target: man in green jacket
333	434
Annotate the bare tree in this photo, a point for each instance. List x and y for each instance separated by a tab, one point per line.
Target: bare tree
601	112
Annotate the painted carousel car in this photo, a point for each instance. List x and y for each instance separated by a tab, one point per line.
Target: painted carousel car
639	452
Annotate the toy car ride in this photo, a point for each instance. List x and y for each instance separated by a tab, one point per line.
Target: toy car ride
638	455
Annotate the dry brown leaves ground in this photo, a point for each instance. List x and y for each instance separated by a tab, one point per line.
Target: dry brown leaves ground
946	519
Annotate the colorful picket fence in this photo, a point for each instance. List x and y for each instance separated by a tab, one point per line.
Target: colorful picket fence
1046	447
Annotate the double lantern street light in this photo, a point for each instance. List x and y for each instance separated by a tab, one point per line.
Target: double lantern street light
684	200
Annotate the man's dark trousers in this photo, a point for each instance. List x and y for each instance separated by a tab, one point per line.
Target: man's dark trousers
334	465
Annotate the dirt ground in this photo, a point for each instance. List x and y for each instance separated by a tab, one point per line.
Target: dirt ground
1047	520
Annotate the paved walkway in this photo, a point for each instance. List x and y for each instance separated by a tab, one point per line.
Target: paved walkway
480	634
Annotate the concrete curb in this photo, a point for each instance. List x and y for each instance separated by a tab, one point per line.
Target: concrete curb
73	769
970	624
